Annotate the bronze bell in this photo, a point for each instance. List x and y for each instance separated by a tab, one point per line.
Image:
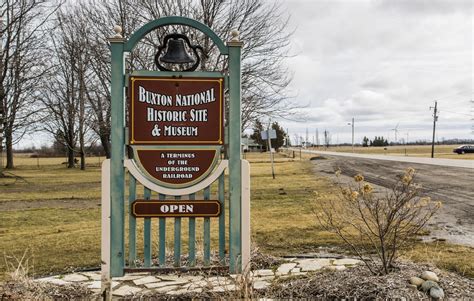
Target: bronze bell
176	53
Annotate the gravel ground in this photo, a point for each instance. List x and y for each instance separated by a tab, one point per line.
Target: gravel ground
353	283
452	186
358	283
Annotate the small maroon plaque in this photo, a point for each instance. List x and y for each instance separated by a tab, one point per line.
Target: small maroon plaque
171	110
177	166
148	208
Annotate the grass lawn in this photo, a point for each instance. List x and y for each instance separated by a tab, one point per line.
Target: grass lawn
62	237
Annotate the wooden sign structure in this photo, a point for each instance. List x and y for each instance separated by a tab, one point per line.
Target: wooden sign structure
174	135
184	111
166	111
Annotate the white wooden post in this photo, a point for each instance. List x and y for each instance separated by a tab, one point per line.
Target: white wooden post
245	216
105	227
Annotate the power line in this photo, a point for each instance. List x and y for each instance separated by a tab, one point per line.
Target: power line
470	115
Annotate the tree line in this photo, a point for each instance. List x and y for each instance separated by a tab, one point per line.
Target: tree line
55	62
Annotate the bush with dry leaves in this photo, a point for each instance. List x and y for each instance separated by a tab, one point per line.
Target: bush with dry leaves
377	222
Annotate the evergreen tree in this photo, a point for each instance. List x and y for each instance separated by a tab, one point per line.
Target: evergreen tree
280	133
365	142
257	133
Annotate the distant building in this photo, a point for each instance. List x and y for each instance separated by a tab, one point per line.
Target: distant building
249	145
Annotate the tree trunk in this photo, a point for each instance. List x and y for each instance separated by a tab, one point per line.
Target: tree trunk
104	140
83	159
9	149
82	113
70	157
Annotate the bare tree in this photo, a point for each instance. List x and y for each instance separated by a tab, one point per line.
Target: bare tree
263	27
22	66
66	93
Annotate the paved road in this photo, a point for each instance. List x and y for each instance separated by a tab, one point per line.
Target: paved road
419	160
454	186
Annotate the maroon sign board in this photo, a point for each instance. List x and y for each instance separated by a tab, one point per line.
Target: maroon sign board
176	126
176	111
176	167
147	208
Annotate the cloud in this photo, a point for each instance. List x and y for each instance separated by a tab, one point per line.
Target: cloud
425	7
383	63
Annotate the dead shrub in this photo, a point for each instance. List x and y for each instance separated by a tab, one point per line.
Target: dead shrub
377	222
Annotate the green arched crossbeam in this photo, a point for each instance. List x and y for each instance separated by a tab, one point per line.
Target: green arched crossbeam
174	20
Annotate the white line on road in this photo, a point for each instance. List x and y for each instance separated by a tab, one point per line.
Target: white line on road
432	161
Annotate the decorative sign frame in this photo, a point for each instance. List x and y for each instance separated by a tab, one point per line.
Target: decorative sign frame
139	142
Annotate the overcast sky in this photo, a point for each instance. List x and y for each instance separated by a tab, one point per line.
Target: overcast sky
383	63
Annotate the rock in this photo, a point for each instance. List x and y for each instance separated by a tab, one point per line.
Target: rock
416	281
165	283
413	287
427	285
335	268
295	270
128	277
194	290
169	277
98	284
260	285
261	273
311	265
346	261
92	275
286	268
95	285
224	288
167	289
428	275
126	290
267	278
52	280
216	281
145	280
436	293
191	278
183	291
75	278
197	284
320	261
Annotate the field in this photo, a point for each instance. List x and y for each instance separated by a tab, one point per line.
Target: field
441	151
51	216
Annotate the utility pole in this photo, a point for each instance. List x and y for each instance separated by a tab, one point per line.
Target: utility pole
307	138
352	134
435	118
317	138
352	124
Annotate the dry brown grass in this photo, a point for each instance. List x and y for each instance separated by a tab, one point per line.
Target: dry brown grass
63	239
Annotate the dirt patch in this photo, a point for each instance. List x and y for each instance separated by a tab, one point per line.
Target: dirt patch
317	158
38	204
